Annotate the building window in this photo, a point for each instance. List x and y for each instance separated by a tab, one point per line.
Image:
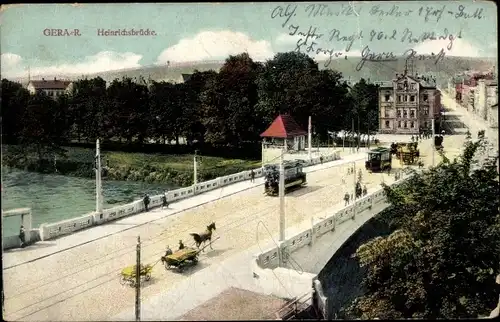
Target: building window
387	97
426	97
399	124
400	86
412	125
405	113
426	111
412	98
412	86
412	114
406	98
399	98
399	113
386	113
406	124
425	124
387	124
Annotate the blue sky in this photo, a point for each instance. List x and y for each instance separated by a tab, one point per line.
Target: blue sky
195	32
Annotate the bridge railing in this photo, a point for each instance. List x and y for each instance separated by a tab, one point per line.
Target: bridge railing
269	259
69	226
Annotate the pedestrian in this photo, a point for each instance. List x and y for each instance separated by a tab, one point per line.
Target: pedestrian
346	198
252	176
22	235
365	191
146	202
168	251
321	159
164	202
181	245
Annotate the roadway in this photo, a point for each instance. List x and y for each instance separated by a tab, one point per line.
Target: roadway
83	283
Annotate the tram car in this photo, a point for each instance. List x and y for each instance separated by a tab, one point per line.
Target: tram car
294	177
379	159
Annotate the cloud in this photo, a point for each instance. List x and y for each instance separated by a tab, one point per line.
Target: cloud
10	62
459	47
213	45
102	61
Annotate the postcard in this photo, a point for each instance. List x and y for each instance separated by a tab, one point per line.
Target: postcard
226	161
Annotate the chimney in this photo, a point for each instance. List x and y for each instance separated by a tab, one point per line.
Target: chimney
43	79
55	79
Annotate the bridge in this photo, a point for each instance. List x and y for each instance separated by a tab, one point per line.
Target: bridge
75	277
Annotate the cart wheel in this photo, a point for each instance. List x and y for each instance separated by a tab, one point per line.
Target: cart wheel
148	277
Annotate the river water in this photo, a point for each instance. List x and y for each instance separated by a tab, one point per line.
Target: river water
54	198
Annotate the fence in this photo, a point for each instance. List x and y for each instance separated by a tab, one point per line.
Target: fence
69	226
270	258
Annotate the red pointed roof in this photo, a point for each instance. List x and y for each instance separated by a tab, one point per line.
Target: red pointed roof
284	126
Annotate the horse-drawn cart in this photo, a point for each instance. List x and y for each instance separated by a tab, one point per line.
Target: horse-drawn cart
181	258
128	274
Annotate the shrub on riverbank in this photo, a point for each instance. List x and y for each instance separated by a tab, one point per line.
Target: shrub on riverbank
151	168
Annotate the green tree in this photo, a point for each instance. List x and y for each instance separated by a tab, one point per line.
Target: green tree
44	128
14	102
130	109
229	101
88	111
192	111
442	259
288	84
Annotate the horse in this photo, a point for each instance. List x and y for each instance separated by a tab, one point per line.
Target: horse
203	237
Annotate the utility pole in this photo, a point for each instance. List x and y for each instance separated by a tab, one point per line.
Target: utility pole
138	281
359	132
282	196
195	170
434	148
355	199
98	183
352	145
309	137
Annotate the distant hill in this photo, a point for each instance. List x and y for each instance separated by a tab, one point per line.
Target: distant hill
375	71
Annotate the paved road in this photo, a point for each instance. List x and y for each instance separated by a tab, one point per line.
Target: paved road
83	283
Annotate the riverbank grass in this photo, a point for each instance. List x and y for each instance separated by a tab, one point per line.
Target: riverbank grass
152	168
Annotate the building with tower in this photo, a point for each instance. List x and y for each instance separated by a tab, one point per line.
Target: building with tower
408	104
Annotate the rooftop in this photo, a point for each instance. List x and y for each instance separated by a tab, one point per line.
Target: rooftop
284	126
50	84
236	304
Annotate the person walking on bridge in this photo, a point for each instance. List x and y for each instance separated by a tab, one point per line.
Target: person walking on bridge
146	202
22	235
252	176
346	198
164	202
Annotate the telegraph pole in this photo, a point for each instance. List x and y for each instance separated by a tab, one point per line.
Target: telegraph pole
138	281
309	137
433	130
355	199
352	143
195	168
98	185
282	197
